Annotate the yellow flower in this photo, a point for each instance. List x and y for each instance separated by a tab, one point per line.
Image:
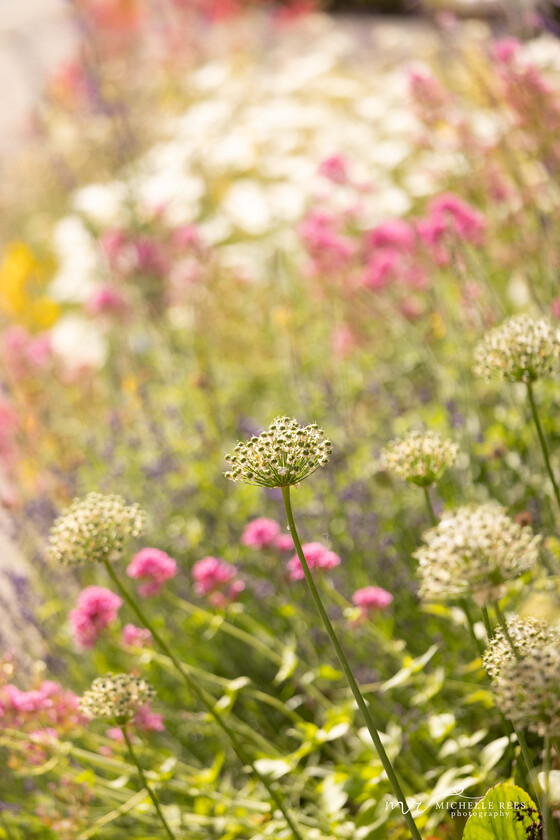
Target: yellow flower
22	281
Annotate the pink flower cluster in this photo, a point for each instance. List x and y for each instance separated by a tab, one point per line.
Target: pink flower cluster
95	610
317	556
48	705
371	599
133	636
145	719
266	533
23	353
216	580
153	566
449	216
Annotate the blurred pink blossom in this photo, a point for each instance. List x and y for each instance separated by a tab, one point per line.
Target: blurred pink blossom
106	300
153	566
284	543
335	168
260	533
372	598
135	636
95	610
317	556
216	580
395	233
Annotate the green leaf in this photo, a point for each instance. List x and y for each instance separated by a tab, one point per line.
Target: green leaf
493	818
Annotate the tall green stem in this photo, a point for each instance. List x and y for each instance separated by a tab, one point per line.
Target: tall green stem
201	695
470	621
144	782
542	439
385	760
431	512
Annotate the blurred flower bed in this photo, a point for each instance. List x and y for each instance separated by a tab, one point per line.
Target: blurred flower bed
231	221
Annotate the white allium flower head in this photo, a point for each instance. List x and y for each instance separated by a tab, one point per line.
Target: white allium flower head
522	349
526	681
116	697
282	455
474	550
420	458
94	529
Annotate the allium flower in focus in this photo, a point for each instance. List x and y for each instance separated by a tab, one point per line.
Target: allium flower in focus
526	684
261	533
317	556
116	697
94	529
153	566
95	610
473	551
522	349
282	455
420	458
216	580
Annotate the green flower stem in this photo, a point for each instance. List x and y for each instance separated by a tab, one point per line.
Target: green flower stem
548	820
470	621
487	624
145	784
503	624
207	703
385	760
431	512
542	439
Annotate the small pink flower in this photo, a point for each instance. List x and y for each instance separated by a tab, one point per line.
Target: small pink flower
96	609
215	580
155	567
317	556
372	598
136	636
381	269
467	222
505	49
335	168
148	720
106	300
112	242
555	307
395	233
284	543
260	533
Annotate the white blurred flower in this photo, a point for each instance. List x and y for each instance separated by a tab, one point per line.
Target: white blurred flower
78	261
102	204
78	343
247	207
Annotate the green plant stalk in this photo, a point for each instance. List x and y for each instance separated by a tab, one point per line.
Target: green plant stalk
201	695
430	507
542	439
470	621
518	732
144	782
380	749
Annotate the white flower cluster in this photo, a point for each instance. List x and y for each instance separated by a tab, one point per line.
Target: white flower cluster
94	529
420	458
522	349
473	551
116	697
526	681
281	456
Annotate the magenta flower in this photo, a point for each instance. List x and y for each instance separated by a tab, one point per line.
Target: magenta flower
335	169
96	609
284	543
106	300
135	636
371	599
261	533
153	566
395	233
317	556
216	580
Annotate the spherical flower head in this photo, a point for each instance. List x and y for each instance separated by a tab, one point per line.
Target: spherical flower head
282	455
526	683
94	529
522	349
116	697
261	533
95	610
153	566
317	556
420	458
473	551
372	598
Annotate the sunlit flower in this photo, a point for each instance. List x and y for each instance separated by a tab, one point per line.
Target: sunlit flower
153	566
317	555
282	455
474	551
526	681
96	609
261	533
420	458
94	529
522	349
116	697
